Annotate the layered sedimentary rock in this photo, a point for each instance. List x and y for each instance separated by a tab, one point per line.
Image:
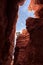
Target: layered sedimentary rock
20	50
8	19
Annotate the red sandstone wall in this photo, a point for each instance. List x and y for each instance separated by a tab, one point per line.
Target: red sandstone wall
35	27
20	50
8	19
30	51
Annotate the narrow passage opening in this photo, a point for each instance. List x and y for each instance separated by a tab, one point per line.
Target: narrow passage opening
23	14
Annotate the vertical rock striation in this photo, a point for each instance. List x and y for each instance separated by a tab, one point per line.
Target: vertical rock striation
8	20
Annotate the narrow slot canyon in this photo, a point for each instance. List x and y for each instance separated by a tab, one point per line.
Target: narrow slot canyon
21	32
23	14
25	52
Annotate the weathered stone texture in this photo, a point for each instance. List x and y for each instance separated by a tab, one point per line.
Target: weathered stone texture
29	47
8	19
38	1
37	7
33	52
30	52
35	28
20	50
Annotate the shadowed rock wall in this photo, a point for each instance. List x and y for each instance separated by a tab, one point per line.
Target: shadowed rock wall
35	27
20	50
8	20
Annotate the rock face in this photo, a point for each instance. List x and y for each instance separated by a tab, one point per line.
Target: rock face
29	47
37	7
35	28
20	50
8	19
30	51
33	52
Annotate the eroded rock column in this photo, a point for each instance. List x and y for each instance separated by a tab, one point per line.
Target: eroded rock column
21	48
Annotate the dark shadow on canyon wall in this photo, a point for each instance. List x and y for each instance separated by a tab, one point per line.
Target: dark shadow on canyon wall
8	19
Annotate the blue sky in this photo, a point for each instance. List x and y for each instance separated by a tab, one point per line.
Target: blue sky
23	14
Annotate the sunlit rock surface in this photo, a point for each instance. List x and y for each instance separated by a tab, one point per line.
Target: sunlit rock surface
37	7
